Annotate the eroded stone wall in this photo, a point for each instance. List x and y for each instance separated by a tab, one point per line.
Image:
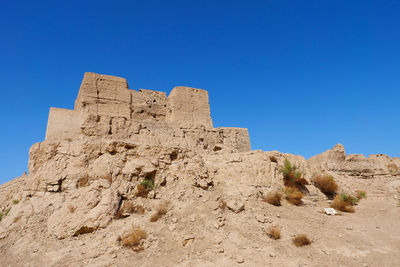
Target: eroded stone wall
148	105
189	106
107	108
104	95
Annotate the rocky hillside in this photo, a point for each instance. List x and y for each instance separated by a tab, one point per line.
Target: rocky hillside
133	178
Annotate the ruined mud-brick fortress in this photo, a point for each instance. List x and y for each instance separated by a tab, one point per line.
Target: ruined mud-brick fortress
107	108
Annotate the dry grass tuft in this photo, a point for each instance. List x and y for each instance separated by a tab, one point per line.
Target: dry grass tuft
142	191
344	202
139	210
133	239
128	208
154	217
273	199
301	240
274	232
162	209
326	184
293	195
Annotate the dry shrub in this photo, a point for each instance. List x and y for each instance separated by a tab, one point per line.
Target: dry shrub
133	239
154	217
292	177
127	208
293	195
273	199
344	202
142	191
162	209
301	240
326	184
361	194
139	210
274	232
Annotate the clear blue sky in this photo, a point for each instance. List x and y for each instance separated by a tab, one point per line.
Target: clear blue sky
301	75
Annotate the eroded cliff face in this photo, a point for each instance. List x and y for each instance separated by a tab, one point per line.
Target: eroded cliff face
109	164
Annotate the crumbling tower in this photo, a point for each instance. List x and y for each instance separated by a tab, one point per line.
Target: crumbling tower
107	108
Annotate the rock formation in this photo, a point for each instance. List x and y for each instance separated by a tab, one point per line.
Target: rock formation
124	158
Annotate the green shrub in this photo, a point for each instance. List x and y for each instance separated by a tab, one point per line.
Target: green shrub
349	199
290	171
292	177
7	211
4	213
148	184
15	201
361	194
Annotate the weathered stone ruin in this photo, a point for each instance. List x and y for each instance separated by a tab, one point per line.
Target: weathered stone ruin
107	167
106	107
